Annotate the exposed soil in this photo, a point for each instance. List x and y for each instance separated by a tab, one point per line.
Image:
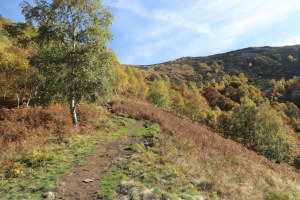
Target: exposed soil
72	185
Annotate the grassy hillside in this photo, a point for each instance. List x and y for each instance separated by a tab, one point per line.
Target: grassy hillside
176	159
189	161
259	64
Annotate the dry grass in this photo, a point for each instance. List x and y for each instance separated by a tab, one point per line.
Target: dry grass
229	166
28	128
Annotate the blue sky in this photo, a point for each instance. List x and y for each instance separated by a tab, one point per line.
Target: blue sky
154	31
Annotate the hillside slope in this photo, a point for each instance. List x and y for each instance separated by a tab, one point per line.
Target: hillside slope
189	159
173	159
259	64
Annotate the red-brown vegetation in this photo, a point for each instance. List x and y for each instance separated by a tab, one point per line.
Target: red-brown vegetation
215	99
28	128
293	93
153	76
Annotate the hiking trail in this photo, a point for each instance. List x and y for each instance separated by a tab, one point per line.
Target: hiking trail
82	182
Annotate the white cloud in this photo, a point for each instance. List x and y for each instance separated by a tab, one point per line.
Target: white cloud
215	25
173	18
256	18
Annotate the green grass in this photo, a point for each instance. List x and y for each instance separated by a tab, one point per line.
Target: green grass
149	130
109	183
82	163
149	170
270	195
152	170
32	174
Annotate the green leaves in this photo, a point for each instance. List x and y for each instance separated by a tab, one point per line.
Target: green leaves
73	57
261	129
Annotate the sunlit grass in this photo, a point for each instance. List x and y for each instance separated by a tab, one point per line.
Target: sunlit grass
32	173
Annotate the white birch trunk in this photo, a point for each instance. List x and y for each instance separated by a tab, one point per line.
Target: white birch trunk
73	113
18	98
28	100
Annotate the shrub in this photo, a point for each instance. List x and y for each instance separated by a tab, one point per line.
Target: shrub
224	124
159	94
177	101
271	140
261	129
214	98
243	122
196	106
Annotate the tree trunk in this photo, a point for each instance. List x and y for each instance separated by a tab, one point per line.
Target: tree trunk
36	96
73	113
4	96
18	100
29	100
73	106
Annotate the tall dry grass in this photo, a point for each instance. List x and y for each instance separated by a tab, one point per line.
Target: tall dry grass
28	128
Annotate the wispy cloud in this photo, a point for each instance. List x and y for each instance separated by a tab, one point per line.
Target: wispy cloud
172	17
199	27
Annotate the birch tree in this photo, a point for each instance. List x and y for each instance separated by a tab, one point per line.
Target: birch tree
73	57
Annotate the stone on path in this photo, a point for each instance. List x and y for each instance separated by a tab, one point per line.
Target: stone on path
88	180
50	196
199	197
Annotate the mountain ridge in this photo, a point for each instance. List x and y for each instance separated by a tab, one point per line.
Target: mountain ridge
259	64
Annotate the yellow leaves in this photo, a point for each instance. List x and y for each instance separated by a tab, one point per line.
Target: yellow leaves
132	80
13	57
220	86
13	66
166	78
177	101
120	81
242	78
253	94
292	59
272	82
5	21
196	106
159	94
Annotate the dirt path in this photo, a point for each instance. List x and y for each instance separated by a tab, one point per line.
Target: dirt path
72	185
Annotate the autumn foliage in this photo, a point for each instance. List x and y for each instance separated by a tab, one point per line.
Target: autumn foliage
214	98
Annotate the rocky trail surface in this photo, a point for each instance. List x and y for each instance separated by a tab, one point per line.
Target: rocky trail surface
82	182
